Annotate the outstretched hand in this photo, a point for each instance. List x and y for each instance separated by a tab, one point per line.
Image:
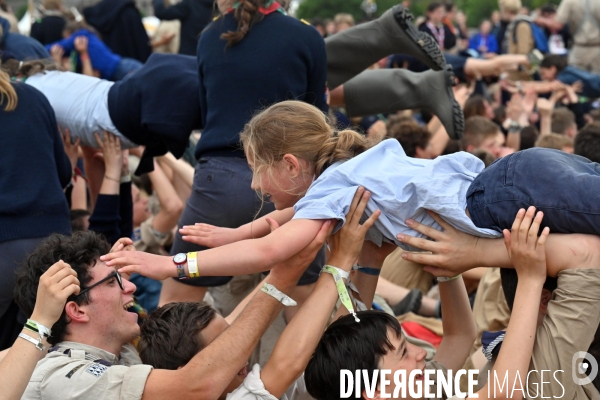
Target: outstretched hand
72	149
526	250
207	235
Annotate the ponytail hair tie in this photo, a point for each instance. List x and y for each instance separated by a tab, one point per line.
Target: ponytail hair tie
20	65
335	134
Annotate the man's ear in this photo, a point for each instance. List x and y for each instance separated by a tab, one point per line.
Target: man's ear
544	300
76	313
292	165
420	152
470	148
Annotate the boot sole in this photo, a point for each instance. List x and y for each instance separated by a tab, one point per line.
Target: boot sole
429	47
458	117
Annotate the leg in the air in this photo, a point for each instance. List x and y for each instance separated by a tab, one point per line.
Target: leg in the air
390	90
352	51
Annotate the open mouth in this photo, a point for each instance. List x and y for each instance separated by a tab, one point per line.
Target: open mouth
129	305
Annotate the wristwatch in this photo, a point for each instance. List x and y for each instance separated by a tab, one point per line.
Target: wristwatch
514	126
180	261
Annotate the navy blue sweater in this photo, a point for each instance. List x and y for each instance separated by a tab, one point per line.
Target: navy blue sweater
157	106
280	59
33	170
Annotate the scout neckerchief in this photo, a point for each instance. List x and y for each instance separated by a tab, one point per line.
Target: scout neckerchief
270	7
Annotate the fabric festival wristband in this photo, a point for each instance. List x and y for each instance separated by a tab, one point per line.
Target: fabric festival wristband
39	328
192	258
339	276
447	279
277	295
38	343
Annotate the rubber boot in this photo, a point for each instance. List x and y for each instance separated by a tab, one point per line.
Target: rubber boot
352	51
385	91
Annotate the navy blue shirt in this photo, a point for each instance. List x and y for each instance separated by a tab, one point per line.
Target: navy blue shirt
280	59
34	168
194	16
157	106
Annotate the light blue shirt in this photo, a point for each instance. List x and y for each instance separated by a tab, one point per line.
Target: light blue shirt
401	187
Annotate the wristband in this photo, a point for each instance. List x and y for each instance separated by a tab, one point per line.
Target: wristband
38	343
84	57
192	259
447	279
39	328
278	295
339	276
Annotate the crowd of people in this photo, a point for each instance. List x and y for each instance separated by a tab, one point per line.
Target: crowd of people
241	204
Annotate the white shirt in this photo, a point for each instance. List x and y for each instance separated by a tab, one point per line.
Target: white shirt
401	187
80	103
253	388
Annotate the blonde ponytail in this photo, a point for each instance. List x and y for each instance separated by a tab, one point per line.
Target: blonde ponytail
342	146
8	96
297	128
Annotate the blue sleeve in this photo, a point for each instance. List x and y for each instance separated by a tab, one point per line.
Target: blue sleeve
474	41
177	11
323	202
492	44
105	219
67	44
318	75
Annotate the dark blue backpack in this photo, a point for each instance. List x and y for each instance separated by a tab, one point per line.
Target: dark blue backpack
539	37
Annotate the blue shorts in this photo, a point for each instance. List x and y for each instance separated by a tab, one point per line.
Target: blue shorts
564	186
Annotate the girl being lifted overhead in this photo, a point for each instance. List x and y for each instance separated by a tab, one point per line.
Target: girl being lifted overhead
299	161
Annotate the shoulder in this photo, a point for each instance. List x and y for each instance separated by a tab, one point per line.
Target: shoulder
28	93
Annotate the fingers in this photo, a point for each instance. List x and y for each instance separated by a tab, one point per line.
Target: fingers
358	195
71	289
525	225
57	266
130	269
446	226
424	229
273	225
68	281
62	274
516	225
371	220
419	243
543	237
535	229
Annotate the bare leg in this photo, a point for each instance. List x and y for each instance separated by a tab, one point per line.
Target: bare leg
173	291
477	68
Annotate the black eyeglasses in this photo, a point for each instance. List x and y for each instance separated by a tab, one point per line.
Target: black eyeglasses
115	274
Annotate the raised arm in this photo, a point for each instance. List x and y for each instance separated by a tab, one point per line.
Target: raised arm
214	236
300	338
56	285
244	257
207	375
454	252
528	255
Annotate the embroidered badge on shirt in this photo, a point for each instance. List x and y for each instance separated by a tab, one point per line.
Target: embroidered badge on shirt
96	369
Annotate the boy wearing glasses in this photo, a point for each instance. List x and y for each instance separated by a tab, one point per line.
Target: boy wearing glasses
91	356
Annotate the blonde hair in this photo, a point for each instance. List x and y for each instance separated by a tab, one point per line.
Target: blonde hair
344	18
297	128
554	141
8	95
511	6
